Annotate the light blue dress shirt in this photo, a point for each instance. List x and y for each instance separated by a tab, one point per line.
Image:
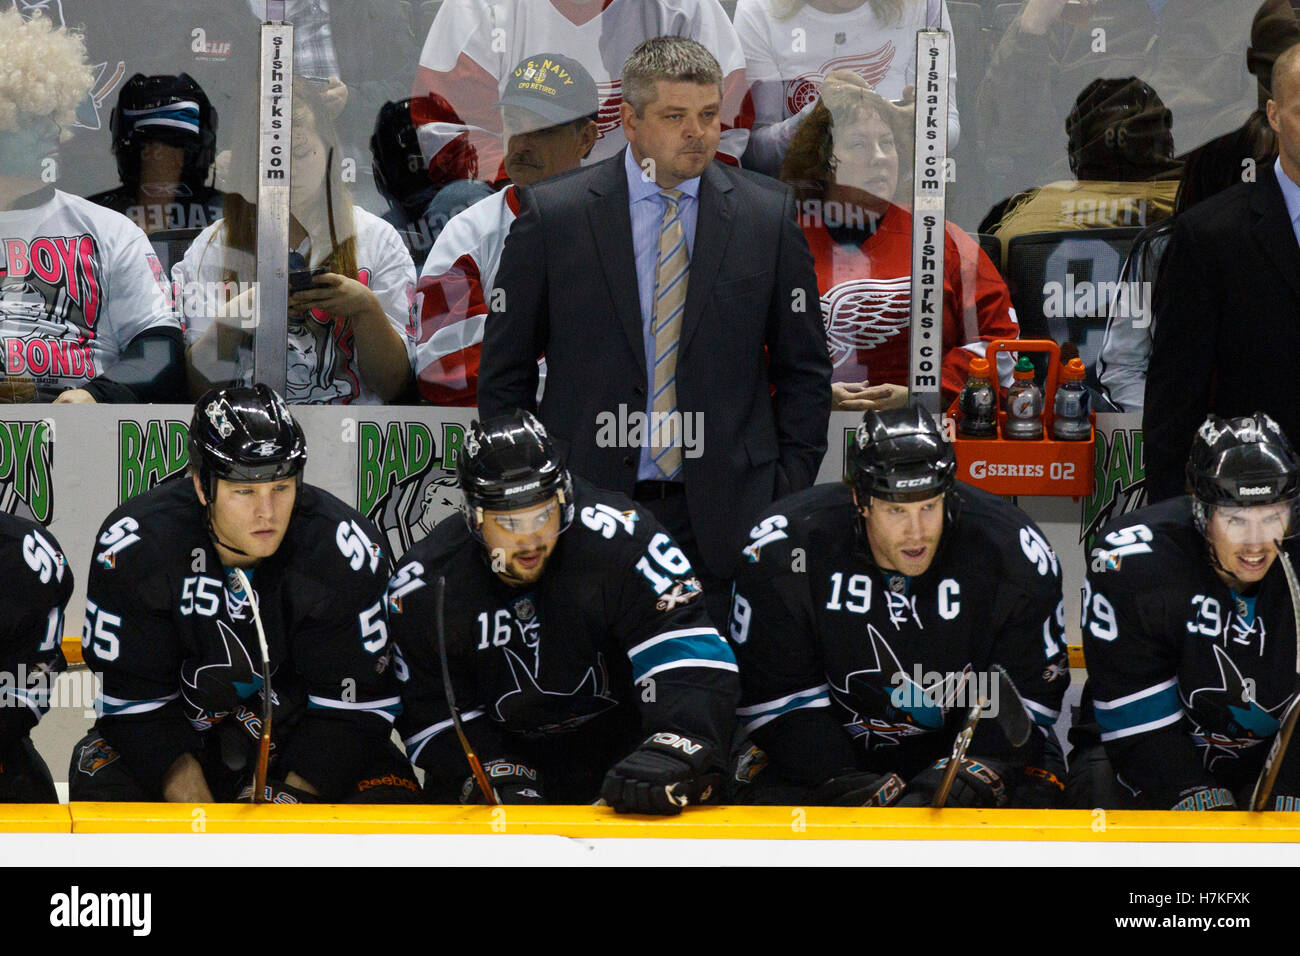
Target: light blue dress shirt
1291	195
647	209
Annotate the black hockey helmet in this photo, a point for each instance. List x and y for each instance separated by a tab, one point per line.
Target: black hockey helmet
1240	462
508	463
899	455
244	434
165	109
400	173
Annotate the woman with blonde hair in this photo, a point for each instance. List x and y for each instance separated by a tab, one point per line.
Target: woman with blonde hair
352	330
791	46
845	163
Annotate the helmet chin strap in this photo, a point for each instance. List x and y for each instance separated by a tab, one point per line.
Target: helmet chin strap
212	530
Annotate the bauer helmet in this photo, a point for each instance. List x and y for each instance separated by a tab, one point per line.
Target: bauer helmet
1240	462
244	434
508	463
166	109
899	455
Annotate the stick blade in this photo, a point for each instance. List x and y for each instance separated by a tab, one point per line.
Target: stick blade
1012	716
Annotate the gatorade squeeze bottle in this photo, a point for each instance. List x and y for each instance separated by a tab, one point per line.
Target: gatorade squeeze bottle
1073	403
978	403
1024	404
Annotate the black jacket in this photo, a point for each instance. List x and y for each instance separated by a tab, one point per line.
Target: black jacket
1227	313
752	360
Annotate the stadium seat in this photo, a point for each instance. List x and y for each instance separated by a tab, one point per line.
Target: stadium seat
1062	283
169	245
992	247
1003	14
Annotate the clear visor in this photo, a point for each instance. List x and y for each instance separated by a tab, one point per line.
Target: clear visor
1257	524
529	521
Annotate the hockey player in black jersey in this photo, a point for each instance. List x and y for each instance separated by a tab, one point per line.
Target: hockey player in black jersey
866	618
170	628
581	657
1189	635
38	583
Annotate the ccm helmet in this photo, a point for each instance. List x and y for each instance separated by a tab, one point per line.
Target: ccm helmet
509	463
899	455
1240	462
244	434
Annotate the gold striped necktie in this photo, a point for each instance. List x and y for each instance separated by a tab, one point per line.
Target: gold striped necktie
670	304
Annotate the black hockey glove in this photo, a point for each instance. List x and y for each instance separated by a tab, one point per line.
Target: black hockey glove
860	789
1205	798
1039	789
977	784
661	776
278	792
222	676
512	782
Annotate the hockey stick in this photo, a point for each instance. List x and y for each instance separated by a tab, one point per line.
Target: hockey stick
1273	762
475	767
264	742
1012	717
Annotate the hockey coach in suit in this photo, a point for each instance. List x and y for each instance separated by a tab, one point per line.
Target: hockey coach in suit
666	288
1227	304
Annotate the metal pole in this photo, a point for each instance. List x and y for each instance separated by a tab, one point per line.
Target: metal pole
274	148
929	165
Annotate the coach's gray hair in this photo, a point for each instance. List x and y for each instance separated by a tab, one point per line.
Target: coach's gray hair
675	59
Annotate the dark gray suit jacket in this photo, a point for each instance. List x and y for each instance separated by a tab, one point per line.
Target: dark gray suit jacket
1227	336
752	359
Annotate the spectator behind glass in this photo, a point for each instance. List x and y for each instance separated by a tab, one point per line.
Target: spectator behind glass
1190	50
216	43
1227	304
844	165
422	198
791	45
1122	156
1208	170
473	46
352	334
85	314
164	141
548	112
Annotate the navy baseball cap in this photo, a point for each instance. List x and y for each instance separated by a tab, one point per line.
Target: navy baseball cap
555	87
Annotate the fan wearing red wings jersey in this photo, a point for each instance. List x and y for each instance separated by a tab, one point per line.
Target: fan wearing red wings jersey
844	165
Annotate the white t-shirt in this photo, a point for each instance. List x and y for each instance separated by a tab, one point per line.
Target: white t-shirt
786	60
473	46
323	367
78	282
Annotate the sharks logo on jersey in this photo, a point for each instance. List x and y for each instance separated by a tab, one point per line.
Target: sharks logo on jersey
1226	719
534	711
886	704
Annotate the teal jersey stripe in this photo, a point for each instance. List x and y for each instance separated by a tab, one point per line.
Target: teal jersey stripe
706	646
813	698
1136	713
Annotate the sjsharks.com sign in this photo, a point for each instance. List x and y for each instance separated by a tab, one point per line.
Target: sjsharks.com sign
406	478
1121	485
26	468
148	453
